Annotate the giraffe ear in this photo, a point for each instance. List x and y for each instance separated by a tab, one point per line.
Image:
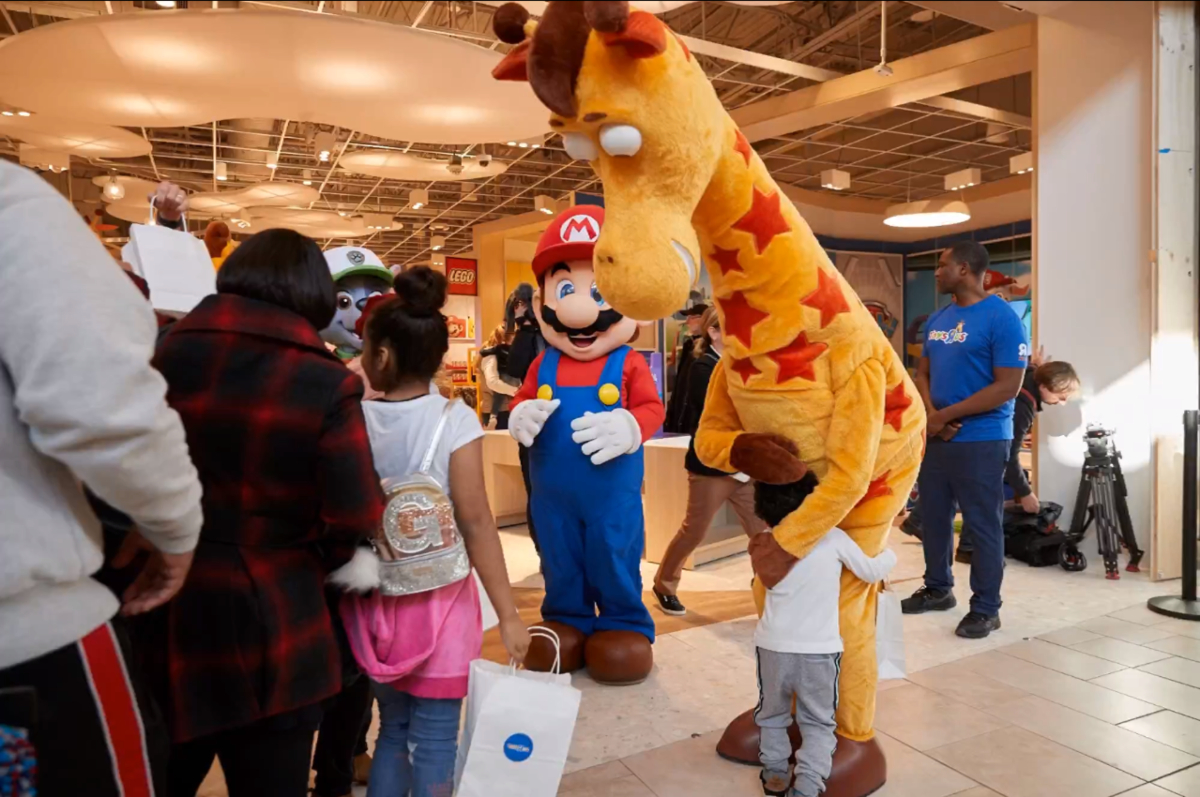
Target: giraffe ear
644	36
514	66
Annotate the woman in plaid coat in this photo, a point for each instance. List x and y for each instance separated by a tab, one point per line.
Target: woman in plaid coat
246	652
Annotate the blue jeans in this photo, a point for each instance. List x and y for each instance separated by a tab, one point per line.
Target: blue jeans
971	475
417	745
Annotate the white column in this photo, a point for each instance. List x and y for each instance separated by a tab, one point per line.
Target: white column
1094	105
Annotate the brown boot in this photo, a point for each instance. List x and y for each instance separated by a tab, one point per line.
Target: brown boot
541	650
619	658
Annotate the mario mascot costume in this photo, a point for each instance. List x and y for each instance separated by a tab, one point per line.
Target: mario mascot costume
587	405
807	379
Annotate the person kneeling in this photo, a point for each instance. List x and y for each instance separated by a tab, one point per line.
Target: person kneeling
799	647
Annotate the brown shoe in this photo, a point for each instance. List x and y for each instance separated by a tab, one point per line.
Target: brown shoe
619	658
541	650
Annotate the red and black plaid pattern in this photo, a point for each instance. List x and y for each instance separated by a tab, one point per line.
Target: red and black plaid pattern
275	427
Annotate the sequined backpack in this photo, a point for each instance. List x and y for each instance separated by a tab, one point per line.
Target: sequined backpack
419	545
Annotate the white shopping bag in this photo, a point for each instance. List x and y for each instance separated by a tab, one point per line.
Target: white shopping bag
517	731
174	263
889	635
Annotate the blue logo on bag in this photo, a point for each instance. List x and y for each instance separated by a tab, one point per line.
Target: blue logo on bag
518	747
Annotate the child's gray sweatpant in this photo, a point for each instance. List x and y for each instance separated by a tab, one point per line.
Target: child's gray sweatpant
812	680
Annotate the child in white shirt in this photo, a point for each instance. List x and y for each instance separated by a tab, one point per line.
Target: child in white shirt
799	647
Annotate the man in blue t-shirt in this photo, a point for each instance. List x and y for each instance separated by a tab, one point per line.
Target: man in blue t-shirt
969	375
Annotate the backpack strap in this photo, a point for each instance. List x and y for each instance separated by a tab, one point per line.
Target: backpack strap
1029	397
427	462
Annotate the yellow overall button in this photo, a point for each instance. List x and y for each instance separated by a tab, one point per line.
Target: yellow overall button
546	393
609	394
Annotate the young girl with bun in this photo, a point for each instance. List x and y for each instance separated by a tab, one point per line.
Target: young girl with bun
417	648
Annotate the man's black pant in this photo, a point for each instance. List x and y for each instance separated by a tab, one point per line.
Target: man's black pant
343	736
93	730
267	759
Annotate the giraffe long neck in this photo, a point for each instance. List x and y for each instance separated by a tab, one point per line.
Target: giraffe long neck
758	250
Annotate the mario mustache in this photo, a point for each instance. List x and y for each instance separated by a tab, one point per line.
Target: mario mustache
605	320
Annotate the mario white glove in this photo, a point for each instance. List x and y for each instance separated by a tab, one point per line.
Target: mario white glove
607	435
527	419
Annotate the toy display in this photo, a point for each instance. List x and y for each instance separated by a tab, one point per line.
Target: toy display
808	377
359	274
587	404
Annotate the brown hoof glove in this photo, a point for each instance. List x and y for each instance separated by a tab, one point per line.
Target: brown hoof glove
859	769
619	658
768	458
541	650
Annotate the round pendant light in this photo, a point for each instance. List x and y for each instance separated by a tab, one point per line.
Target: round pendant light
928	213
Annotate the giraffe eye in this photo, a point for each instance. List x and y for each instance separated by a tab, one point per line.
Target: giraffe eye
580	147
620	140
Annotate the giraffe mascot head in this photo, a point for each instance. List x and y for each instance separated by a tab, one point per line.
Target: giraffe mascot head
808	381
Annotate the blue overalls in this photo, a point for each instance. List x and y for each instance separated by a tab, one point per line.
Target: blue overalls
589	517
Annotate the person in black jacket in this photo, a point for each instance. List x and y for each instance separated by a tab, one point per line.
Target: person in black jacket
708	489
1048	383
683	361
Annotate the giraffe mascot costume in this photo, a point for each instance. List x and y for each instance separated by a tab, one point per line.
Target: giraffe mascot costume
808	379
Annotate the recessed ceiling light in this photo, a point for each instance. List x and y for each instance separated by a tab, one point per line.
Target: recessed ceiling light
165	3
323	144
7	113
512	143
24	113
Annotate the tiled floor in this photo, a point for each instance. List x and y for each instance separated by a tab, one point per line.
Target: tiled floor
1083	692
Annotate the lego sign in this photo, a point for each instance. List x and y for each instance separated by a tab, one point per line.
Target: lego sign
461	273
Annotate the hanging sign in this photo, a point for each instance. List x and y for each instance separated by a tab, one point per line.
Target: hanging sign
462	275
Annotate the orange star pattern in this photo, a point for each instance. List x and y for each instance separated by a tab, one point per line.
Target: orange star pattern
796	359
894	405
741	146
878	488
740	317
764	220
727	259
827	298
745	369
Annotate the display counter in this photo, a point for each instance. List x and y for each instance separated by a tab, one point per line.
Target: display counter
664	497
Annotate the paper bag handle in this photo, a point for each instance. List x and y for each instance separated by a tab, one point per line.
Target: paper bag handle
545	633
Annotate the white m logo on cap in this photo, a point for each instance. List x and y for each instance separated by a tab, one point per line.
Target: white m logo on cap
579	229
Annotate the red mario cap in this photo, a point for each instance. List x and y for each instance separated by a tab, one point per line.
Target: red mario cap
571	236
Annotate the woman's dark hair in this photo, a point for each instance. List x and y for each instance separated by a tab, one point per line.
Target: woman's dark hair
774	502
283	268
412	326
522	293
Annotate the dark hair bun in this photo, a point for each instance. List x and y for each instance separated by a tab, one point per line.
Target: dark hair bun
422	290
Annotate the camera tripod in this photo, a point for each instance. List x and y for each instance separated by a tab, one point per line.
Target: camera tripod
1101	498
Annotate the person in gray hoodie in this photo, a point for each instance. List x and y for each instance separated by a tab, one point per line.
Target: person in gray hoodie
79	404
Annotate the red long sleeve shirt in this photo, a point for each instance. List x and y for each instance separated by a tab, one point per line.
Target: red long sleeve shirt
639	394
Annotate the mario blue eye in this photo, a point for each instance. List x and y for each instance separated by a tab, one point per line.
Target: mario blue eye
565	289
596	297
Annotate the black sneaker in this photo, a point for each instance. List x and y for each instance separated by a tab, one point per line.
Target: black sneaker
963	556
929	600
977	625
670	604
